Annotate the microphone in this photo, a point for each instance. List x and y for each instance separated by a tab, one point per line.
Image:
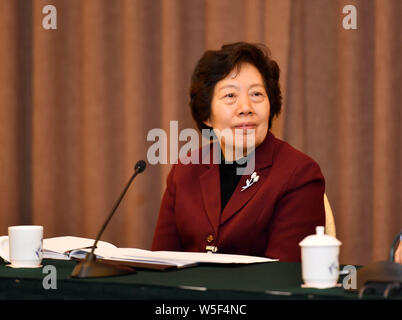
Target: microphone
398	238
140	166
382	277
92	268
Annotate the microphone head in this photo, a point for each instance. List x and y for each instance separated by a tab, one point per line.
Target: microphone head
140	166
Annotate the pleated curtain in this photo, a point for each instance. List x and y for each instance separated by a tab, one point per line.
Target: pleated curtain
77	104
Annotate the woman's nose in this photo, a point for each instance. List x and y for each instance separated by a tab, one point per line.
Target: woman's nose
245	106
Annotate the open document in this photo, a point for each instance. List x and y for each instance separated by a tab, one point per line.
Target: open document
77	248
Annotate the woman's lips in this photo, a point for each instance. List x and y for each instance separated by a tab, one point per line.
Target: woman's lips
246	127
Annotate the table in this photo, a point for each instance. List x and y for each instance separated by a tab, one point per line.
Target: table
256	289
264	281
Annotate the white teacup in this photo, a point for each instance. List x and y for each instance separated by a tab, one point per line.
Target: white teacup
320	260
23	246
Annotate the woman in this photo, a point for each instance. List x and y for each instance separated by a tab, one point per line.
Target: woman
208	206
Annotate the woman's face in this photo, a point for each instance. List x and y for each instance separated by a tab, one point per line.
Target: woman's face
240	111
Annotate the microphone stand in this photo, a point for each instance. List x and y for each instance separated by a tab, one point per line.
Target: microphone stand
90	267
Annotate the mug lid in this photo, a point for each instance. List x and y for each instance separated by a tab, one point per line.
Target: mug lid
319	239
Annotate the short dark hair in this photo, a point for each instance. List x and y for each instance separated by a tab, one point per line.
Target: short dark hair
215	65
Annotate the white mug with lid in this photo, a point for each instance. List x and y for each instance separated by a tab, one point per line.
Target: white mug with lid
320	260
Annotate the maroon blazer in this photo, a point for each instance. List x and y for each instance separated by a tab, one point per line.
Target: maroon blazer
268	219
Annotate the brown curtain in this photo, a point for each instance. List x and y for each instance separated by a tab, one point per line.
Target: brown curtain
77	103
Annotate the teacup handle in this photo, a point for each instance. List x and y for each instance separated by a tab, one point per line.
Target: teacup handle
4	251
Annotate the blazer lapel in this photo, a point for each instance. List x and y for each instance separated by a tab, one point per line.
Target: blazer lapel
240	198
263	159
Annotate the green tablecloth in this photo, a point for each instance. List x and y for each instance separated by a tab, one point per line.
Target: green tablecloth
274	280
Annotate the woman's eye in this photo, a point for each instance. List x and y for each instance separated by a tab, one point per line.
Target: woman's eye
258	94
230	98
230	95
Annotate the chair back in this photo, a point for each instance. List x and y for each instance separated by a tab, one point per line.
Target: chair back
329	218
